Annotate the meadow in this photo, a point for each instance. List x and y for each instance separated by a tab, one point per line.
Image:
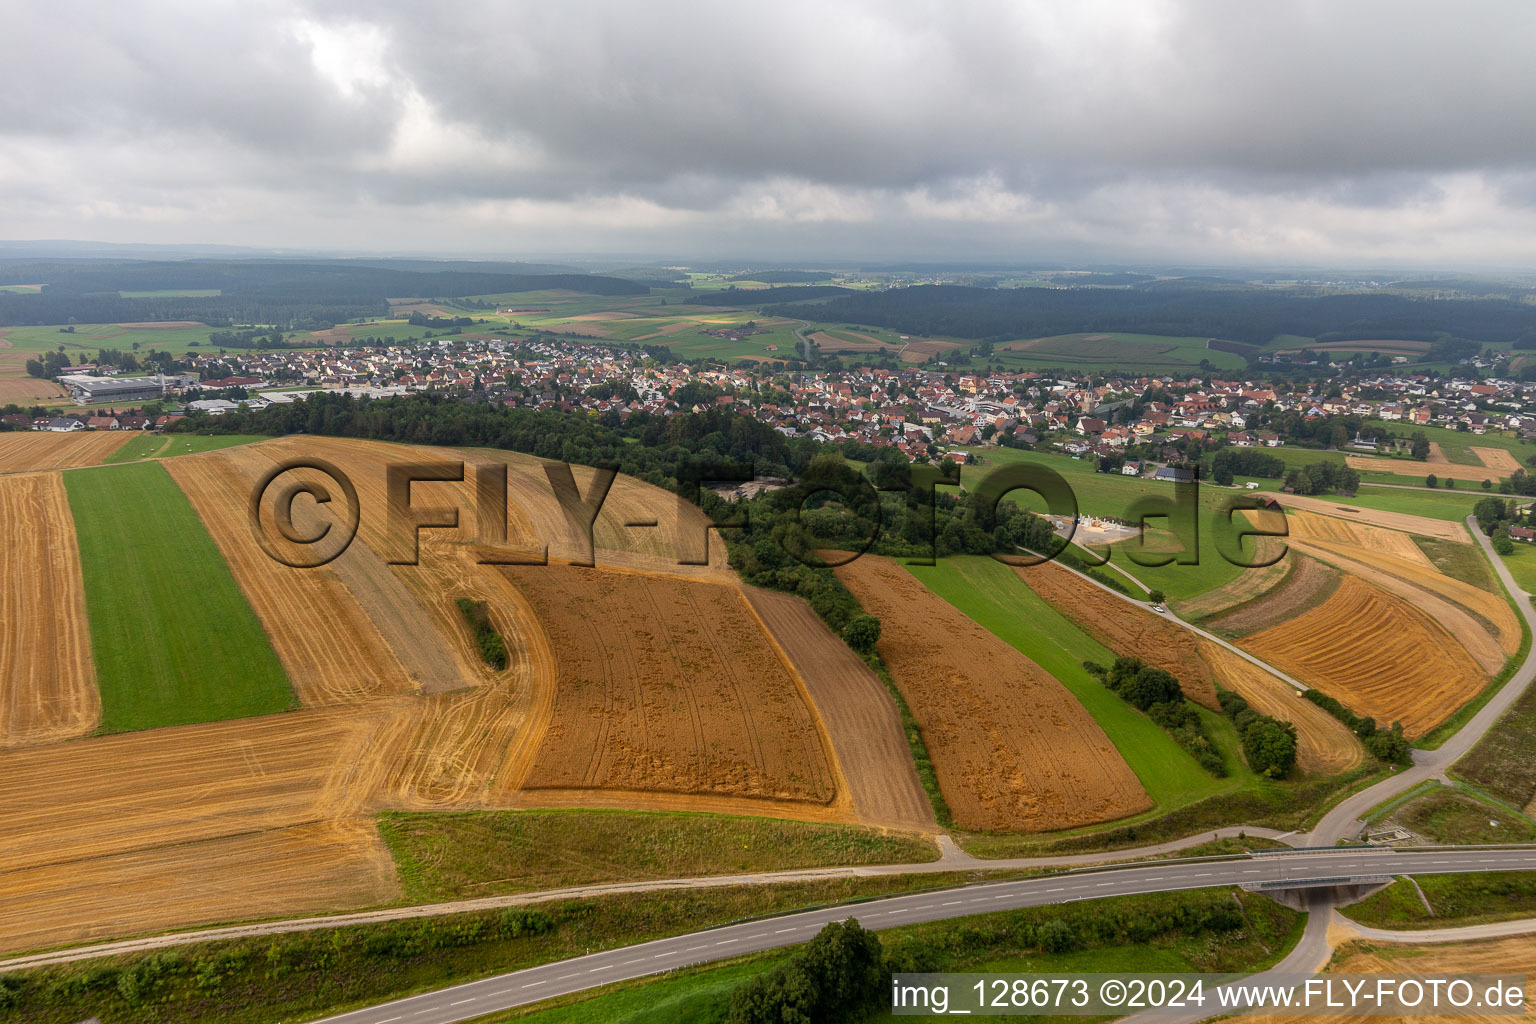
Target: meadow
173	639
1114	351
164	446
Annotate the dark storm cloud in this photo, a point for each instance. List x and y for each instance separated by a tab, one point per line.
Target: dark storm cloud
1306	128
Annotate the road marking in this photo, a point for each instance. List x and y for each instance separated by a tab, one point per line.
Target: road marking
726	942
531	984
951	903
781	931
565	976
1059	888
461	1002
691	949
637	960
658	956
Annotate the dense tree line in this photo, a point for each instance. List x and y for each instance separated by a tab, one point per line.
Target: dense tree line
1252	315
1157	692
1388	745
784	276
1269	745
289	295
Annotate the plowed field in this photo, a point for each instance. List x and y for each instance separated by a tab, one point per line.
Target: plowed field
668	685
1323	745
1012	748
24	450
1376	653
861	719
47	685
1123	628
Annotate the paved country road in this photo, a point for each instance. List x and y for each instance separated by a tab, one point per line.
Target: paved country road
489	995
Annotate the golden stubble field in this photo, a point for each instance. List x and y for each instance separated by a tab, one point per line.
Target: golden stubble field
630	685
1012	748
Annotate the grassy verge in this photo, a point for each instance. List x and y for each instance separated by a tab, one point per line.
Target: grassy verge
993	595
1459	816
173	639
1220	930
460	855
1457	900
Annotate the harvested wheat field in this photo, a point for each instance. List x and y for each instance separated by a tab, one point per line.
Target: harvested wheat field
861	719
1249	585
1324	746
333	653
304	869
82	813
1308	584
1420	525
621	536
1410	468
1497	459
47	684
1483	622
1124	628
1012	748
1378	654
22	451
669	685
23	390
1306	525
1513	955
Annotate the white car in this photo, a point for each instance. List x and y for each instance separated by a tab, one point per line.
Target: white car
1159	609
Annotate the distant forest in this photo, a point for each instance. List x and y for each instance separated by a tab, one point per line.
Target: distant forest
288	295
1178	309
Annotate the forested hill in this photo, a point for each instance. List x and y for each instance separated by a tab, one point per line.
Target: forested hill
1239	313
254	291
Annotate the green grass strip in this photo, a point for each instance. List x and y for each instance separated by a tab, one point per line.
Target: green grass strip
173	639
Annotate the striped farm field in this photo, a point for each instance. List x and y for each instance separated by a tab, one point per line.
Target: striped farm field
1306	525
172	637
22	451
47	684
1012	748
1378	654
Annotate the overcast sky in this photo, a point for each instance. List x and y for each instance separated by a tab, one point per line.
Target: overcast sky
1328	132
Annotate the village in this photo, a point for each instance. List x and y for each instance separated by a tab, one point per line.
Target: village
922	412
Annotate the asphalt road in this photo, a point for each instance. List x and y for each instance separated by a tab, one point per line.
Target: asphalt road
464	1002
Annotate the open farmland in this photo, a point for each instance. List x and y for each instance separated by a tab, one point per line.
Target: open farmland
1378	654
23	451
1324	746
1308	584
1497	459
1419	470
1250	585
47	683
103	836
331	650
1452	528
994	596
862	722
1013	749
173	639
669	685
1124	628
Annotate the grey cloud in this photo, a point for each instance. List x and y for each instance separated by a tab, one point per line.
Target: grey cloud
1198	126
